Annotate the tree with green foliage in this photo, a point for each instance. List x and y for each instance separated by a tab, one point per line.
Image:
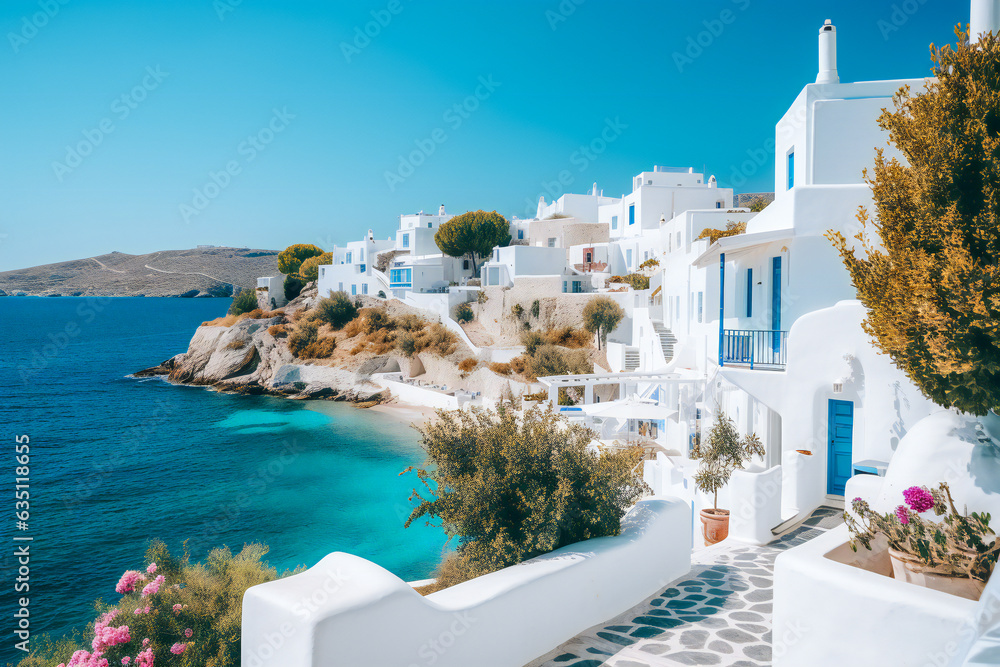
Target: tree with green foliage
309	270
243	302
473	235
336	310
725	453
600	316
293	286
512	485
931	283
291	258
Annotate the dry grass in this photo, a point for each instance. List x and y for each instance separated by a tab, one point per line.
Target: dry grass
256	314
278	330
322	348
468	364
236	344
501	368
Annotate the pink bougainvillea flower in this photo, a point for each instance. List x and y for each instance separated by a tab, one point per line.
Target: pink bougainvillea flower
145	642
178	648
856	500
188	632
177	609
145	658
903	514
153	587
105	635
128	581
918	498
137	611
126	660
151	569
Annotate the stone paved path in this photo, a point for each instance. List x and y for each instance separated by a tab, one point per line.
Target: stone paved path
718	614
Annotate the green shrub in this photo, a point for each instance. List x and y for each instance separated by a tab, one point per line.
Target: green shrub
205	598
290	259
481	462
463	313
244	302
376	319
517	310
305	333
531	341
406	344
293	286
336	310
601	315
536	308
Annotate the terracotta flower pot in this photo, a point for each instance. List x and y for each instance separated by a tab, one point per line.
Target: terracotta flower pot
714	525
804	452
909	569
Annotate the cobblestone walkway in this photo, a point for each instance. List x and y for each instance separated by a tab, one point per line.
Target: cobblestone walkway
718	614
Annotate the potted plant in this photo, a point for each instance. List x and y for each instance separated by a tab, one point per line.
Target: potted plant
955	554
724	453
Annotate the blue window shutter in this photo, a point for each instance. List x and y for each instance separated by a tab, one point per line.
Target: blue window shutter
791	170
631	214
749	292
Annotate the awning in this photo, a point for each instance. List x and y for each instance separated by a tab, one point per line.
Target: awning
740	243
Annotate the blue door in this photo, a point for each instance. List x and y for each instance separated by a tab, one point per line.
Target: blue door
776	305
838	459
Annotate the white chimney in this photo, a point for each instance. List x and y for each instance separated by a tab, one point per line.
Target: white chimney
441	210
985	18
712	183
828	54
541	206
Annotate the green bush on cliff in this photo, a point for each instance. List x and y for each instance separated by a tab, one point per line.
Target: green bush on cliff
336	310
309	271
244	302
291	258
173	612
512	485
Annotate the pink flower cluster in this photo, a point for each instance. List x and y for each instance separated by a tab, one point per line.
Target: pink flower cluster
128	582
84	659
151	569
903	514
178	648
105	635
145	659
153	587
918	498
177	609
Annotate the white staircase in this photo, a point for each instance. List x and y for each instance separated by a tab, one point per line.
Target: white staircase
667	340
631	358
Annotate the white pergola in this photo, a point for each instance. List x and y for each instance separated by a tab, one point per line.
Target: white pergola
554	383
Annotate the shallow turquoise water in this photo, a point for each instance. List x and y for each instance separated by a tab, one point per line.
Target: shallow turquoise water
117	461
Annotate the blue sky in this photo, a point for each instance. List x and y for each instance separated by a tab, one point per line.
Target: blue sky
263	123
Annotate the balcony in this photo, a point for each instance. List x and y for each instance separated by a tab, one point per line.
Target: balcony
756	348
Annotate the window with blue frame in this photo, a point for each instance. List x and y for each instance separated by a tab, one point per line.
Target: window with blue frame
520	235
791	169
361	255
628	258
400	277
362	268
406	240
614	222
348	258
701	306
577	287
749	292
631	214
364	288
354	290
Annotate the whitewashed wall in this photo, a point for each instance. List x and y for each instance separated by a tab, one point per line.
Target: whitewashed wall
348	611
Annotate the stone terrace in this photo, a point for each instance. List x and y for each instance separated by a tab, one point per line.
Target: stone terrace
718	614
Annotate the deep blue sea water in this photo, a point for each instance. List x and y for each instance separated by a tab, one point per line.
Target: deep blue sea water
116	461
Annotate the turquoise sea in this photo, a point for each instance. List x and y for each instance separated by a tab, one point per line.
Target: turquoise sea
116	461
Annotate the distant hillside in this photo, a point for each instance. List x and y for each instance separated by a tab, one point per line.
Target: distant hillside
188	273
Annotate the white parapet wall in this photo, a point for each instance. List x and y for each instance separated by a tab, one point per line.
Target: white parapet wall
756	498
348	611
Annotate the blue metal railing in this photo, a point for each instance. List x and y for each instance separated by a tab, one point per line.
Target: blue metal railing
754	347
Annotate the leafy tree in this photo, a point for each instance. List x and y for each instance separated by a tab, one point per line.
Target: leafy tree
713	235
473	235
244	302
725	453
932	284
291	258
336	310
309	270
463	313
293	286
512	485
601	315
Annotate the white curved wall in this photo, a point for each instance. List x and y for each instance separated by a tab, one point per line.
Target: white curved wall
348	611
